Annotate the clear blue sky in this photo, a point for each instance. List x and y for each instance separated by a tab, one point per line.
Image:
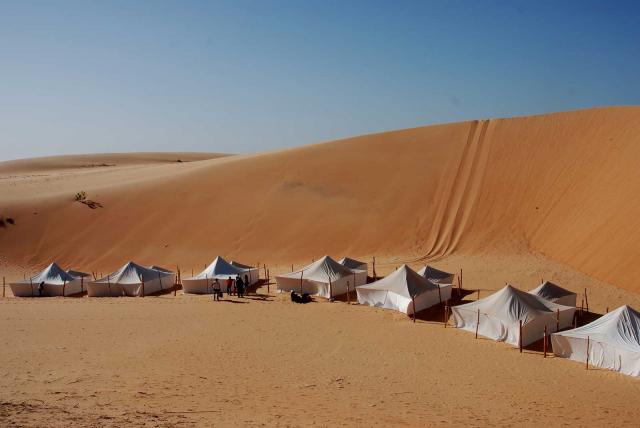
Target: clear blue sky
243	76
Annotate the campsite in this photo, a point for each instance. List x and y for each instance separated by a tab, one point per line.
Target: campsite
414	213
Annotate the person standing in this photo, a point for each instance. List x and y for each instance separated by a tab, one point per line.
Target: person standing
246	282
40	289
239	286
229	285
216	290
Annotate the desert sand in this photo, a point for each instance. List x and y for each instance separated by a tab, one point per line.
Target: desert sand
506	200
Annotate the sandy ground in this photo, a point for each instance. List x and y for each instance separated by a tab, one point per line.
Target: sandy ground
506	200
166	360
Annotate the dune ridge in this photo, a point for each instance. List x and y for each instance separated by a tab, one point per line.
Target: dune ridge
541	184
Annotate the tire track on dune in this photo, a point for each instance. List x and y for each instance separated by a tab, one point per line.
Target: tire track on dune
445	200
460	197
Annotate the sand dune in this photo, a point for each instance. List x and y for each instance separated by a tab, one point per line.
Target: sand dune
512	200
562	185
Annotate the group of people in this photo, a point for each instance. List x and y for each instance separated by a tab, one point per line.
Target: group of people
237	287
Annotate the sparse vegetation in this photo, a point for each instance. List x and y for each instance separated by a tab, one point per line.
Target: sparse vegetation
82	198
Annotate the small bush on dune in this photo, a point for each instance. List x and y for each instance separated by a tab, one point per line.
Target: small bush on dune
81	196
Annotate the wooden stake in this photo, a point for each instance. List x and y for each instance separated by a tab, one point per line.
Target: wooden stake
348	297
3	287
477	323
413	301
586	299
544	346
446	315
301	273
330	291
520	335
558	319
587	366
374	268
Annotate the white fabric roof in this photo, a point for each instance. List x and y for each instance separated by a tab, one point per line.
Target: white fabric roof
219	268
619	328
321	270
512	305
52	274
404	281
161	269
351	263
78	274
436	275
550	291
241	266
131	273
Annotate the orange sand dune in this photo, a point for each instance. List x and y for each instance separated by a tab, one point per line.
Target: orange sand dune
563	185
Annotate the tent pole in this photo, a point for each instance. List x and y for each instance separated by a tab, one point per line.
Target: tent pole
330	291
413	301
374	268
520	335
348	299
82	284
439	294
478	294
31	283
446	318
160	279
477	323
586	299
64	284
607	310
3	287
291	268
461	279
109	284
544	346
587	366
558	319
301	274
142	280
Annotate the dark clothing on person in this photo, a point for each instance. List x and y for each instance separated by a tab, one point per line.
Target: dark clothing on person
229	285
240	287
40	289
246	283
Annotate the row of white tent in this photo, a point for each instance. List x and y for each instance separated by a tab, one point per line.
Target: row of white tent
611	342
131	280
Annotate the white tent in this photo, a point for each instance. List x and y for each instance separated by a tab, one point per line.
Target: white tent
57	282
436	276
131	280
501	313
614	342
556	294
396	291
79	274
219	269
325	277
251	271
359	268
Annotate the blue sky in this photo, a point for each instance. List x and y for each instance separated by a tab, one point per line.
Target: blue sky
244	76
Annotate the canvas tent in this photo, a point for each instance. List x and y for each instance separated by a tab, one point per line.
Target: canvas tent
219	269
57	282
436	276
131	280
397	290
325	278
614	342
79	274
556	294
501	313
252	271
357	267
